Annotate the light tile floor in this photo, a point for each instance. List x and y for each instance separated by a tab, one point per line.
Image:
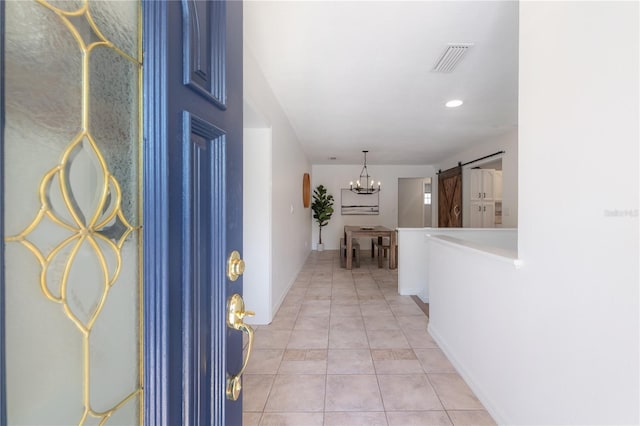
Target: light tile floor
346	349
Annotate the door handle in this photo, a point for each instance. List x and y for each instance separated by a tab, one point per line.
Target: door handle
235	320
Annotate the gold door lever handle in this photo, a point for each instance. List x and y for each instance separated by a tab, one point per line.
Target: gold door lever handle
235	320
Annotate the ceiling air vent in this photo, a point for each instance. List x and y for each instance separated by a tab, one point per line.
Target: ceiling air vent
452	56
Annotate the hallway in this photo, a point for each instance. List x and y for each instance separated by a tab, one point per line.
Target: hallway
346	349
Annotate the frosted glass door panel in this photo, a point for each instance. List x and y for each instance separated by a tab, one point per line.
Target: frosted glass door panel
72	212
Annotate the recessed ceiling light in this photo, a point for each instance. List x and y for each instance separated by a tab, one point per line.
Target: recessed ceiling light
454	103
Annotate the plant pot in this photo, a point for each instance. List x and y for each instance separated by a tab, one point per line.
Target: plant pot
320	247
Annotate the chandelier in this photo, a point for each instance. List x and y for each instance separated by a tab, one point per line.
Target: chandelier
364	185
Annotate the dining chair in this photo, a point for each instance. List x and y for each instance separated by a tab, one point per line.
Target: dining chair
343	252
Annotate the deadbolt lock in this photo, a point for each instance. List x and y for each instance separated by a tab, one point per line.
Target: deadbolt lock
235	266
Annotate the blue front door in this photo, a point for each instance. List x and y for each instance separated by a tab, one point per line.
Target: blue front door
193	72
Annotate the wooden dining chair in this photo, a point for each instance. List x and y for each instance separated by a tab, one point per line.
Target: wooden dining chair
382	247
383	250
343	253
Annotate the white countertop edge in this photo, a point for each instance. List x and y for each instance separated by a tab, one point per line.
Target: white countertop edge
454	230
492	252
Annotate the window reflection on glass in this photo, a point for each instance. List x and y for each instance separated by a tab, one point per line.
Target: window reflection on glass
427	192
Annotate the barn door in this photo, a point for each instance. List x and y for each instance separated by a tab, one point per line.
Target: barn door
450	198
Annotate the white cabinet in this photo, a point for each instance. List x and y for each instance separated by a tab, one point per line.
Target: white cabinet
485	189
482	183
497	185
482	214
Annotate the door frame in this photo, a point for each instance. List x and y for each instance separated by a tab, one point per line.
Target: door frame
3	384
157	350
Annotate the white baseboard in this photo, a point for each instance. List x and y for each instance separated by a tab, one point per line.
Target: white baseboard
409	292
278	303
490	406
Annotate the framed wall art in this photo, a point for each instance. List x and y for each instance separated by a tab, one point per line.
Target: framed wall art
352	203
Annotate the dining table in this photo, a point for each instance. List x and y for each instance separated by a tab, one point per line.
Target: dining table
353	231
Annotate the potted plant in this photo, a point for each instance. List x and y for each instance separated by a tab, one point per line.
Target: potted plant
322	210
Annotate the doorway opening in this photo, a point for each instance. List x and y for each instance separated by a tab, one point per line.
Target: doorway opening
414	202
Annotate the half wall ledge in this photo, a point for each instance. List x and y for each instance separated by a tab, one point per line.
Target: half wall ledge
500	254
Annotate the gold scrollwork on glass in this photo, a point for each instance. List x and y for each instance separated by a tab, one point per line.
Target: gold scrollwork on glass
88	210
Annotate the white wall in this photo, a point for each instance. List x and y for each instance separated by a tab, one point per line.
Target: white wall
507	143
257	221
557	341
412	263
290	222
486	324
335	177
414	260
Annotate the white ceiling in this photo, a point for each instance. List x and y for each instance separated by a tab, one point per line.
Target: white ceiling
354	75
